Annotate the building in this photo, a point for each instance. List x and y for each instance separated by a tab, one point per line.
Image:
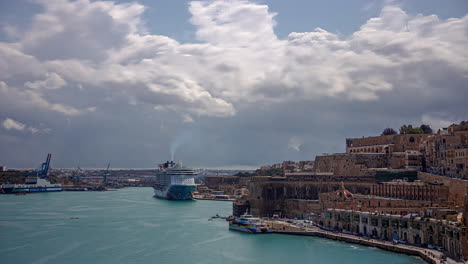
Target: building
402	151
385	144
449	235
344	199
446	152
419	191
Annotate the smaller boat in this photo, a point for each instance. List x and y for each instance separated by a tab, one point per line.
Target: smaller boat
249	224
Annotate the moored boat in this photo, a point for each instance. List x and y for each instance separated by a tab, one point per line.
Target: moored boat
249	224
37	181
32	185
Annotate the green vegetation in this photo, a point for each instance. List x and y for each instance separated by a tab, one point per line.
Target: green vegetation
426	128
388	131
263	172
409	129
243	174
268	172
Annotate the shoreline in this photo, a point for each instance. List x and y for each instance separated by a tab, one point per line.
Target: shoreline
209	199
428	255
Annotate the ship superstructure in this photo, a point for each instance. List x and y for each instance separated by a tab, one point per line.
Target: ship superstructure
174	182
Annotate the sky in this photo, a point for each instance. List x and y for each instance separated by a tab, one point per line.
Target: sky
221	84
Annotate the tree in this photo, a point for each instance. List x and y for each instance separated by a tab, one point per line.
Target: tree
426	129
243	174
268	172
405	128
388	131
409	129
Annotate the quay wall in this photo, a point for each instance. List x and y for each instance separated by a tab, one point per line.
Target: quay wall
369	243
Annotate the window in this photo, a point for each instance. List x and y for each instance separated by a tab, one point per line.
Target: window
411	139
385	222
403	224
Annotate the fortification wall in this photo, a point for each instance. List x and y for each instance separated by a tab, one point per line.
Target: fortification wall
273	197
457	187
350	164
400	142
370	141
214	182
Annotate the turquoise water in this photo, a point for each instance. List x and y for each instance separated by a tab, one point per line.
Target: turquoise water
130	226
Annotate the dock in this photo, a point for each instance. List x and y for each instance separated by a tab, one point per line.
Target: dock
431	256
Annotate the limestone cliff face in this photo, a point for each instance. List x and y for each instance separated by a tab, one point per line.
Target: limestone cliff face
290	198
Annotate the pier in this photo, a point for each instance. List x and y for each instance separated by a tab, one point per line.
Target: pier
429	255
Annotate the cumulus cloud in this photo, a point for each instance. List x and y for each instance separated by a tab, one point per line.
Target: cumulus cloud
52	81
10	124
79	57
33	99
239	60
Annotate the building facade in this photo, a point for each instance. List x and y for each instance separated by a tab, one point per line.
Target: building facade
448	235
411	191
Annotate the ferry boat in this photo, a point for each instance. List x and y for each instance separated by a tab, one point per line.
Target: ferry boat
32	185
249	224
174	182
35	182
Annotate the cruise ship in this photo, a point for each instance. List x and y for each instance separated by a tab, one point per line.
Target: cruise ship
174	182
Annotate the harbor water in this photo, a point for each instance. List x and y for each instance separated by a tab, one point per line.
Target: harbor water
130	226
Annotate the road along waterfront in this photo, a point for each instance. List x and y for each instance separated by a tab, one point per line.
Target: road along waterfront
429	255
130	226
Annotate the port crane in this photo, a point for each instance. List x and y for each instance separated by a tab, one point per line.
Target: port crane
74	176
42	172
104	179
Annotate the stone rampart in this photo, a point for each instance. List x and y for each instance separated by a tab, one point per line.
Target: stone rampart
347	164
457	187
275	197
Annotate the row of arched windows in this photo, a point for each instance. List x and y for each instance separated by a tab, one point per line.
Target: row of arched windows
378	149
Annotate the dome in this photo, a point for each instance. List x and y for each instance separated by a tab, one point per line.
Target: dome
343	193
